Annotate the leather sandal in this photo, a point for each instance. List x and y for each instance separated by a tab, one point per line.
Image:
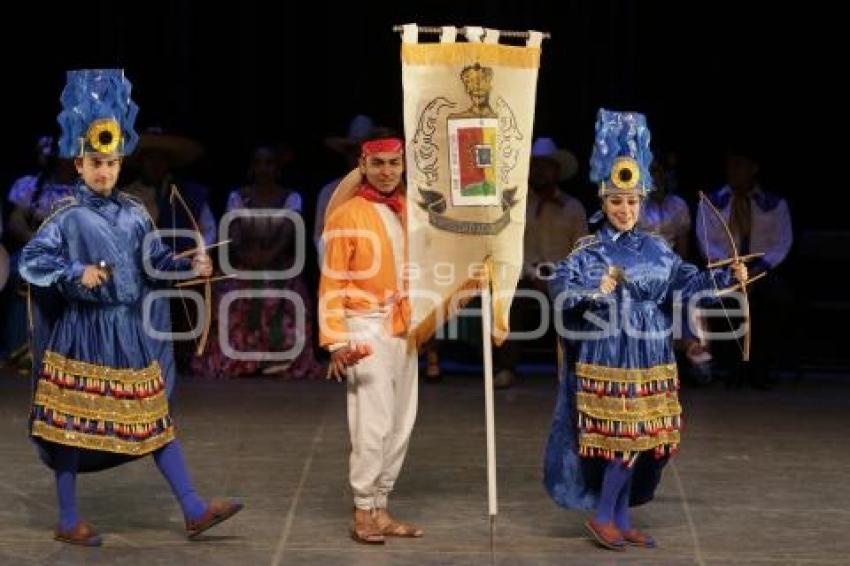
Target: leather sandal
217	511
606	535
363	528
637	538
82	533
392	528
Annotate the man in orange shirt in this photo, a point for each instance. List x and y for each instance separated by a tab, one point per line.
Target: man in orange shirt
364	320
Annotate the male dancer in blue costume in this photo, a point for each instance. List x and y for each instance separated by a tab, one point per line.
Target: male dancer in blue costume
100	395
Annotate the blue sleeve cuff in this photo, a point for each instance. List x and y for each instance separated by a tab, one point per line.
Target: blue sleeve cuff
182	264
75	272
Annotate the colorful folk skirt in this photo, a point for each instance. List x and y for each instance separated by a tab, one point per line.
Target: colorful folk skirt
625	411
96	407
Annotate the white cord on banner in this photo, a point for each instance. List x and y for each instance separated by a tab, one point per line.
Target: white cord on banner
535	38
410	33
449	34
473	33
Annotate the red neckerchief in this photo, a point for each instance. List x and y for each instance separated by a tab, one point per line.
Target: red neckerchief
392	200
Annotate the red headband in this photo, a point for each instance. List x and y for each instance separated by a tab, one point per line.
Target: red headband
383	145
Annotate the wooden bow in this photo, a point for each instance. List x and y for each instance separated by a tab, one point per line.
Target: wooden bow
735	259
207	281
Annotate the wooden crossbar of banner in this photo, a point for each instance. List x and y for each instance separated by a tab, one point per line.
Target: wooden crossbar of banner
462	31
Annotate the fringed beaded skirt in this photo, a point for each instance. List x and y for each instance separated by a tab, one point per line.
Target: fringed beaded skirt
625	411
99	387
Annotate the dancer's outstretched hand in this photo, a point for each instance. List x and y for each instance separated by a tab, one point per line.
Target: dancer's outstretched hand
346	357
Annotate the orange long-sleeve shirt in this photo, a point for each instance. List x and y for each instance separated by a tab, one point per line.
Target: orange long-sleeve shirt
359	271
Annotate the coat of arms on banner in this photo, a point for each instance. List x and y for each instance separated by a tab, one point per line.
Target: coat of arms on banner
482	151
472	142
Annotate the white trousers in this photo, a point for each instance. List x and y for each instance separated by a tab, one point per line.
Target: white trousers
382	399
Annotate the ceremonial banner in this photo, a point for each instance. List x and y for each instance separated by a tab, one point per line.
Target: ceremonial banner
468	118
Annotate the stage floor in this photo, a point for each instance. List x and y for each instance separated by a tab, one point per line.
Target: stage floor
761	478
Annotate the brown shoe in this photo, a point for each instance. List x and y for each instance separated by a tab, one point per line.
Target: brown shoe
607	535
393	528
82	533
364	530
217	511
637	538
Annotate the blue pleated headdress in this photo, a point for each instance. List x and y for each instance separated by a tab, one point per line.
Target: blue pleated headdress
97	114
621	156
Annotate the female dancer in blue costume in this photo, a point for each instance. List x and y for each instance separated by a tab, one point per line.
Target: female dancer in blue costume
617	419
